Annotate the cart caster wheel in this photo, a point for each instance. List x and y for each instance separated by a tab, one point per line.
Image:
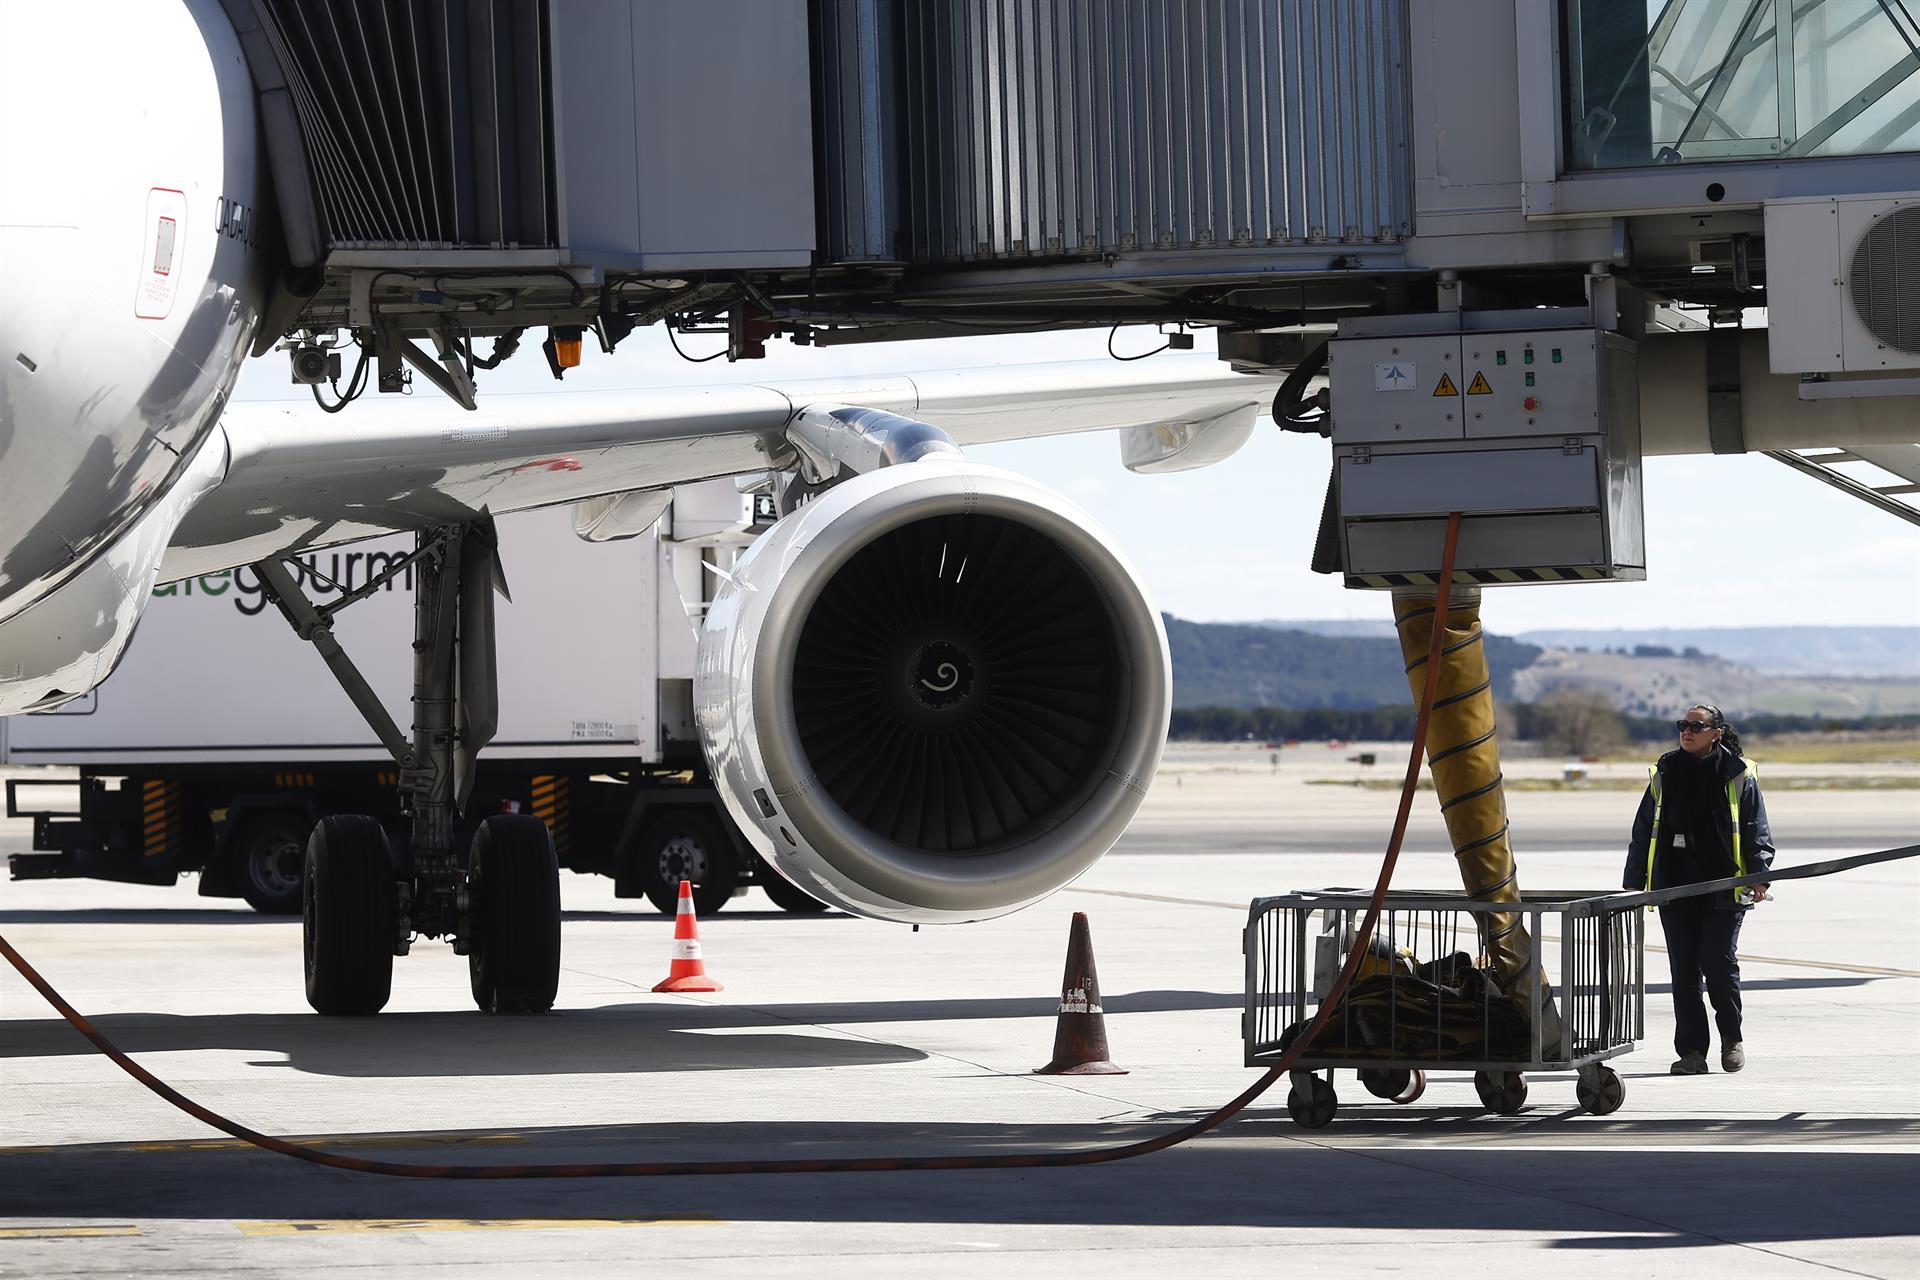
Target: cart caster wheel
1312	1107
1600	1091
1502	1092
1395	1084
1384	1082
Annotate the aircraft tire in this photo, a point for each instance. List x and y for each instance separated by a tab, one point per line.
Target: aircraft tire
347	916
514	875
684	843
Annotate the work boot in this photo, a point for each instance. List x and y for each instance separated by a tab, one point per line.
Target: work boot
1690	1064
1732	1056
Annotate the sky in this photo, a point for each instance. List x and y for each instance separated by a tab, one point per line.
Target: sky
1732	541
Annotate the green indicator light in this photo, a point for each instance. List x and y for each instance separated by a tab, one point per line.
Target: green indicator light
1526	357
1556	355
1499	357
1529	377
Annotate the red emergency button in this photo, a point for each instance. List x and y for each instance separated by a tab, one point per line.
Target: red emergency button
1530	404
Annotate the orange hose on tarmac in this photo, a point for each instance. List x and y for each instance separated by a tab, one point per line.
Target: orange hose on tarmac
876	1164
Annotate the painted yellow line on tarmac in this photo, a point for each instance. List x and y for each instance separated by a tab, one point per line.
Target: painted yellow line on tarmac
235	1144
1874	970
1822	964
65	1233
1158	897
342	1140
406	1226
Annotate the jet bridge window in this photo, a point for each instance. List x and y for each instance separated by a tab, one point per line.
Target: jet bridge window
1653	82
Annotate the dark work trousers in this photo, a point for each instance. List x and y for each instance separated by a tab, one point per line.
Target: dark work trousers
1701	943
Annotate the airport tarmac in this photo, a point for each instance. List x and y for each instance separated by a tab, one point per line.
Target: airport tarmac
836	1036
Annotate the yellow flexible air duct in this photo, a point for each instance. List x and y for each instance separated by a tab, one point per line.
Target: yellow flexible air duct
1463	754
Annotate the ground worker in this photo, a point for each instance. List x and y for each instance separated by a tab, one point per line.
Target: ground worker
1702	818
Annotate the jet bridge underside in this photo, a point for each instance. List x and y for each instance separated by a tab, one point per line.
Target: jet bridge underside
858	170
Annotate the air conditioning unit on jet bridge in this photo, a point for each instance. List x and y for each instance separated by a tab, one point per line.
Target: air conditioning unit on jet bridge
1532	433
1843	284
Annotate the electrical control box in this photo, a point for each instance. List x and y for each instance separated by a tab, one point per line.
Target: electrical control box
1533	434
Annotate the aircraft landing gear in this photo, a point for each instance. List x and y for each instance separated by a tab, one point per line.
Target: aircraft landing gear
499	906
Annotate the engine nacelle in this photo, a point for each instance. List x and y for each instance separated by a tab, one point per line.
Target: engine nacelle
935	693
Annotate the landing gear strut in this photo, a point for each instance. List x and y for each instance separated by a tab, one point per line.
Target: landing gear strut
364	902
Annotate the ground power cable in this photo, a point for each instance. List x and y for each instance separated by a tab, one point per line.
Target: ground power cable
1356	956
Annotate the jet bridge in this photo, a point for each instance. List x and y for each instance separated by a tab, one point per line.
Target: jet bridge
859	170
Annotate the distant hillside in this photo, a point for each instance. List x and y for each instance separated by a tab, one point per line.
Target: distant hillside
1807	651
1655	685
1374	627
1218	664
1270	665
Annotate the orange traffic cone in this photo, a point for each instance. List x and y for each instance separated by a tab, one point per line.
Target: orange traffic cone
688	972
1080	1032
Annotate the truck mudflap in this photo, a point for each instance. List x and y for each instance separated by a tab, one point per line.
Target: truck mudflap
553	805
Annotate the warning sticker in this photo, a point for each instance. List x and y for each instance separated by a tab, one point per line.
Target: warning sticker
1446	387
160	248
1479	386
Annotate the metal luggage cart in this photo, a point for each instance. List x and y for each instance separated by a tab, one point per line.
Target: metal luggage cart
1400	1021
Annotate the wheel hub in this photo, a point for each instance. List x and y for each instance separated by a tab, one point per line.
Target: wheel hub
278	868
683	858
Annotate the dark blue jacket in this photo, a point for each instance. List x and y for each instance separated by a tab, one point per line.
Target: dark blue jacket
1755	847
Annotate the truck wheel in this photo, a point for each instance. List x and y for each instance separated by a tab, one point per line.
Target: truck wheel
271	856
686	844
787	895
514	961
347	916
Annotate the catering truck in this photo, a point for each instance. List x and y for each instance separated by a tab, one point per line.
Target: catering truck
210	752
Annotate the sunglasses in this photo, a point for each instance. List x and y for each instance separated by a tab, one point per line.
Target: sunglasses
1692	726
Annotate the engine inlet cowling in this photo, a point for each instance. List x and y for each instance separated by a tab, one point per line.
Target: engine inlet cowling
935	693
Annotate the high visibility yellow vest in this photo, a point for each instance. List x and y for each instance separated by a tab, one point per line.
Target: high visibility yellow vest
1733	813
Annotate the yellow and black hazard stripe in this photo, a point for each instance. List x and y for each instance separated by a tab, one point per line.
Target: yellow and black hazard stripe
1479	577
552	804
295	779
160	814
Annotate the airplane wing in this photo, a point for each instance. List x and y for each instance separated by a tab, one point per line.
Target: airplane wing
297	478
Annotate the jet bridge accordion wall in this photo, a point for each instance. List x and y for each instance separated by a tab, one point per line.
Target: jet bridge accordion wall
419	125
975	130
675	135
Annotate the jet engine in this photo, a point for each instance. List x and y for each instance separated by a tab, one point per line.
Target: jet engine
935	693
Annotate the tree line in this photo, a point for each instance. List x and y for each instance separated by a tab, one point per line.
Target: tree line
1570	720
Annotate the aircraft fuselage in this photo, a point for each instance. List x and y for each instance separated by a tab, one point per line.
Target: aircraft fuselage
133	265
